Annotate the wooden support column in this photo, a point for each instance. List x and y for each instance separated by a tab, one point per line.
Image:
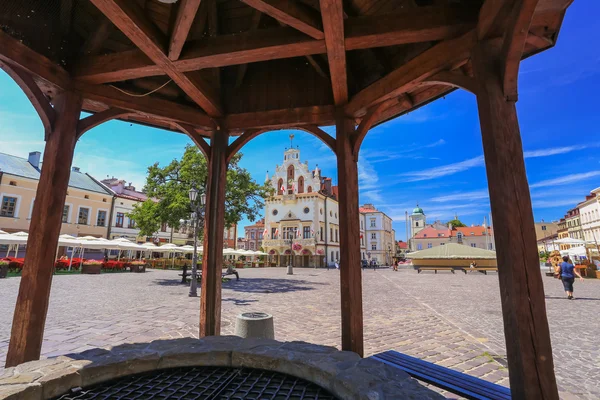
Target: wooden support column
34	292
530	364
350	267
214	225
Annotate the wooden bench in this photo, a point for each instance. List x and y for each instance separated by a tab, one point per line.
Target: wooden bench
458	383
419	269
483	270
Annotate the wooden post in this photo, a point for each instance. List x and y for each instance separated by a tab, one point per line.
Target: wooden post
350	268
34	292
214	225
530	364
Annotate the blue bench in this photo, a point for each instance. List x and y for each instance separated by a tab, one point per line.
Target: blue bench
458	383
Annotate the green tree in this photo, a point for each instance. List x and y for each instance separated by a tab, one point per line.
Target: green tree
456	223
167	190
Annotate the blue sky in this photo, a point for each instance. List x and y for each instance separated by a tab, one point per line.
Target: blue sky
432	156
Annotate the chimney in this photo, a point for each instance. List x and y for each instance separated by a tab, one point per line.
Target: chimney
34	159
75	169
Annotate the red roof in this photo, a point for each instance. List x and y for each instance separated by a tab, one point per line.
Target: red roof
402	245
472	230
431	232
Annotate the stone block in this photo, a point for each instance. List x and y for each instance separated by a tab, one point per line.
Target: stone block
60	381
21	392
254	325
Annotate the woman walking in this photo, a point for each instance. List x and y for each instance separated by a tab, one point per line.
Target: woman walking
567	275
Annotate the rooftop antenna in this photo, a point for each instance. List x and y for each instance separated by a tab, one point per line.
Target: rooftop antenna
291	140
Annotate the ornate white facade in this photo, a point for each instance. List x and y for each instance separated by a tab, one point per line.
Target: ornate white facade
302	218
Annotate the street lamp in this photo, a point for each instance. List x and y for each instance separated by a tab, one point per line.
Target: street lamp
197	213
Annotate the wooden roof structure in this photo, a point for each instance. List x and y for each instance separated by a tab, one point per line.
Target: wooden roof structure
216	69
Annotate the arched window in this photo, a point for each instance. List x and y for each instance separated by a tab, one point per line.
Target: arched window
290	179
279	186
309	190
301	185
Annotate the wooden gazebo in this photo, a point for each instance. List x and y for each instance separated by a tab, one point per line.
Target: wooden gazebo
217	69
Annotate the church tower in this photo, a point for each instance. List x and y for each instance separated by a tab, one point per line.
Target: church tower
417	221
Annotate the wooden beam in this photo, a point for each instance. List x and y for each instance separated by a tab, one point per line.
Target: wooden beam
540	42
320	134
455	79
514	43
279	119
241	141
14	52
98	118
159	108
317	66
489	16
350	264
181	28
292	13
370	118
34	291
212	260
405	78
196	137
93	43
131	21
213	31
333	26
39	102
277	43
528	345
241	72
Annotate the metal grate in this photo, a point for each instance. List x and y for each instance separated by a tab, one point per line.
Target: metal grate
204	383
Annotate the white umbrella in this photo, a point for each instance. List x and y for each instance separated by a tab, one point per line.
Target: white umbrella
2	232
187	249
569	241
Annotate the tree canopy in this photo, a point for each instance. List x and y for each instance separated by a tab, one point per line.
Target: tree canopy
168	199
456	223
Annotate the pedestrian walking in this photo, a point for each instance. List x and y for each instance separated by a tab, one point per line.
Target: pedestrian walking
567	276
337	264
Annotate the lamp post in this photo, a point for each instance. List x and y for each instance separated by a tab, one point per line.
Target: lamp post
197	212
389	255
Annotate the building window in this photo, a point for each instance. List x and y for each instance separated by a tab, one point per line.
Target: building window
473	245
543	227
121	219
373	247
306	232
273	233
419	246
331	234
101	221
86	196
260	235
65	216
82	218
131	225
275	212
321	233
251	245
332	256
373	236
13	183
417	223
306	210
301	185
424	235
337	255
429	245
373	223
252	235
490	246
309	190
459	236
442	244
280	186
9	206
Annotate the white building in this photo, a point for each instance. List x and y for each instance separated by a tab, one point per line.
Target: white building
589	215
378	234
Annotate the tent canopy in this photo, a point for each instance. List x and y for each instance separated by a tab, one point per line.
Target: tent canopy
453	251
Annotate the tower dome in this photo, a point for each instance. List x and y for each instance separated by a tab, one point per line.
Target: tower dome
418	210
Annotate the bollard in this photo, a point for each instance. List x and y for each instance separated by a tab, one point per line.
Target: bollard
290	270
254	325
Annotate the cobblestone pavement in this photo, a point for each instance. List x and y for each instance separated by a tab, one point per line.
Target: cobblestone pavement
452	320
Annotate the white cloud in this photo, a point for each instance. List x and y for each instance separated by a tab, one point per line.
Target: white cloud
556	202
443	170
565	180
470	196
552	151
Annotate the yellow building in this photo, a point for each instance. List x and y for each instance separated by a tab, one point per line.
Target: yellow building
87	206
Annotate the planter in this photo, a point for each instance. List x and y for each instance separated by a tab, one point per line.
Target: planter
597	274
138	268
3	271
261	265
91	269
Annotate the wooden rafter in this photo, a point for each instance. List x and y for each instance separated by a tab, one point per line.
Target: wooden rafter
131	21
159	108
241	72
34	94
333	26
455	79
367	122
196	137
291	13
279	119
241	141
96	39
403	79
183	23
98	118
490	15
514	42
277	43
320	134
